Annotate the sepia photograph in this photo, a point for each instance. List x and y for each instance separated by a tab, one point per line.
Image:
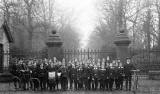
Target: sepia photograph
79	46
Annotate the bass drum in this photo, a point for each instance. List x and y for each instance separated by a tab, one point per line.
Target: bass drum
52	77
59	74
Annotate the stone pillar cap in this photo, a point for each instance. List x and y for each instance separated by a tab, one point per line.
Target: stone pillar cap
54	39
122	38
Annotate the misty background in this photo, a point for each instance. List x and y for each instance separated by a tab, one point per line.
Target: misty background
82	24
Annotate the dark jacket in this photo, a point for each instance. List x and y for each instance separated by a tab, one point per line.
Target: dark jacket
128	69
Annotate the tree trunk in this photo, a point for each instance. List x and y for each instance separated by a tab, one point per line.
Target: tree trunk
147	29
159	29
30	27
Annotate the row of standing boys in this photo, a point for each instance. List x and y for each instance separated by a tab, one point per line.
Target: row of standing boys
87	74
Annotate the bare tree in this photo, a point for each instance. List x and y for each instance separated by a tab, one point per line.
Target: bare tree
157	4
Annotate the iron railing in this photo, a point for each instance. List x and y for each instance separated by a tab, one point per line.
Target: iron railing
142	59
83	54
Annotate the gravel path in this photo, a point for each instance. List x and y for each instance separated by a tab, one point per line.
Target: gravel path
145	87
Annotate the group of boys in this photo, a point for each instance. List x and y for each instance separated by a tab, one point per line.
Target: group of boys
87	74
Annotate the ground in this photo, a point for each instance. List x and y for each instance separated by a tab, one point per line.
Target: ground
145	87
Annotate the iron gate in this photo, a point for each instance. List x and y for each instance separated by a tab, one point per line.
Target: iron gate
83	54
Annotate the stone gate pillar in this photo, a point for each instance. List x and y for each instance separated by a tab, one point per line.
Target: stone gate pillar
54	44
122	42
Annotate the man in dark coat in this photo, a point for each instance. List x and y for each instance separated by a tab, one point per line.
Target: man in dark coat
91	67
58	71
102	73
111	75
25	75
73	80
64	76
116	73
79	76
95	77
42	74
128	67
34	74
51	76
70	80
107	76
120	75
86	76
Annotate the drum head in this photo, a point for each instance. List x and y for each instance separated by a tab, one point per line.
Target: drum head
51	75
59	74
